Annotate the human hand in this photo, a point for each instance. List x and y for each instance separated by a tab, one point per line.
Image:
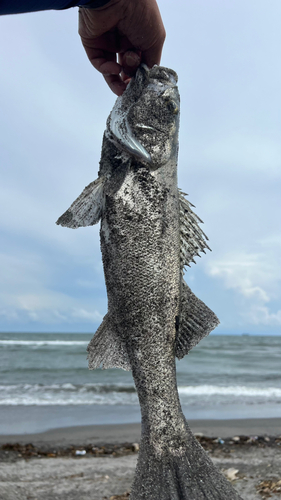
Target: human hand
119	36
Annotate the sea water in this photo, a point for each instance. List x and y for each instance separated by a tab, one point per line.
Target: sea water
45	382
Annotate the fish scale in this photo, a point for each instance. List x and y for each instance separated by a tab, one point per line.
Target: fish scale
148	234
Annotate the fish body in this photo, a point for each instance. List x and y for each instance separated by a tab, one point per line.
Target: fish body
148	234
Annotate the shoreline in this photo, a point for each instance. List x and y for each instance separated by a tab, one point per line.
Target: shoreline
60	464
130	433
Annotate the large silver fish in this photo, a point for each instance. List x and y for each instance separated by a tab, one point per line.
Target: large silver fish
148	234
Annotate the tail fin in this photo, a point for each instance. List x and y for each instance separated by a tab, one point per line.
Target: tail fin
185	473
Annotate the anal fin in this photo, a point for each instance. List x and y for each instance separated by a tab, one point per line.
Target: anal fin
106	349
196	321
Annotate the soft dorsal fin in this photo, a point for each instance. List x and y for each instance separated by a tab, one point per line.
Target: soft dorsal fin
106	349
86	209
193	239
195	321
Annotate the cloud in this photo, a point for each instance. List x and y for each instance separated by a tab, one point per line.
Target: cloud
22	272
92	316
32	293
54	107
256	278
48	308
260	315
247	273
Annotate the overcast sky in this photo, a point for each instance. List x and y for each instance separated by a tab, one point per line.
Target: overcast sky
53	109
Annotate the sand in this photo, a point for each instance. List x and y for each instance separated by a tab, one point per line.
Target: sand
121	433
51	470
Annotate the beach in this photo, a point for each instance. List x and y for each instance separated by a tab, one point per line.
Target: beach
69	433
98	462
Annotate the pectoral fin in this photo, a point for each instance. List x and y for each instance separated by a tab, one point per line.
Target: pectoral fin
106	348
195	322
86	209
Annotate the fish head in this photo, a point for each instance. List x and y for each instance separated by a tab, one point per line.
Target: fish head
145	119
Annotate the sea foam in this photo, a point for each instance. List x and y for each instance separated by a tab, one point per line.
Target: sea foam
125	394
42	342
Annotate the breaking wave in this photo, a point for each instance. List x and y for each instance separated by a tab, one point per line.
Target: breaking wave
42	342
67	394
122	394
211	390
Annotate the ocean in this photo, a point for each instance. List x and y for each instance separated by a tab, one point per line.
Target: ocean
45	382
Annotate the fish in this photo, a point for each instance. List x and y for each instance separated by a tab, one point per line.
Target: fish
149	233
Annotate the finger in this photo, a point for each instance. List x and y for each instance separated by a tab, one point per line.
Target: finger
152	55
144	28
115	84
130	62
103	61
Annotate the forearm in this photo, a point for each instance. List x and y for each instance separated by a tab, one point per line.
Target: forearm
20	6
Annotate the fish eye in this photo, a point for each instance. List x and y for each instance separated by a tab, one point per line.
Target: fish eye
172	106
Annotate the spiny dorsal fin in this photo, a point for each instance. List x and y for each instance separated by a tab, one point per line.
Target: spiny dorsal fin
196	321
106	349
86	209
193	239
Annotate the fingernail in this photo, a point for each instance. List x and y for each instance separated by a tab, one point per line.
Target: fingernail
132	59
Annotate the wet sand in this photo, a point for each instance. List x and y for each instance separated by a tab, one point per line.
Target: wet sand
51	469
120	433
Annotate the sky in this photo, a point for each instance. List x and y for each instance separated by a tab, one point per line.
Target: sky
53	110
